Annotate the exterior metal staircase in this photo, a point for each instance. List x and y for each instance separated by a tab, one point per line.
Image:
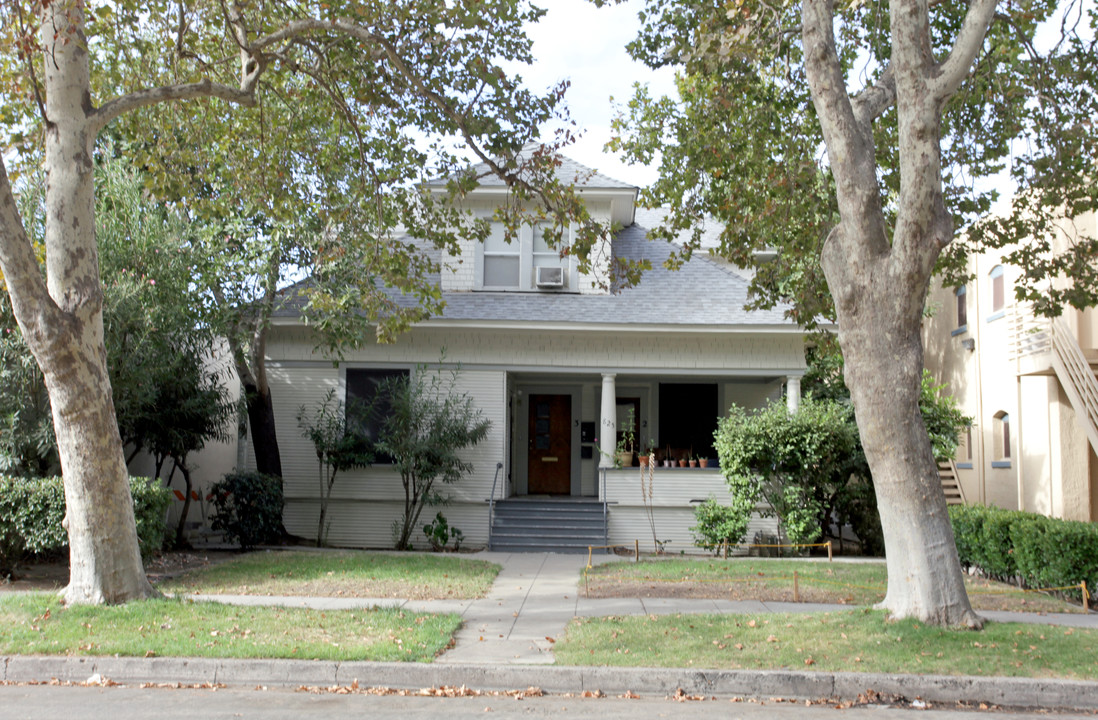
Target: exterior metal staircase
547	525
951	486
1033	336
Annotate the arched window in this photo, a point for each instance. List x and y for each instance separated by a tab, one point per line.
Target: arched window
1001	428
998	291
962	306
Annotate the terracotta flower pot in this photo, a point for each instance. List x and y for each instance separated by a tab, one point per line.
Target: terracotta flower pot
704	462
693	463
643	460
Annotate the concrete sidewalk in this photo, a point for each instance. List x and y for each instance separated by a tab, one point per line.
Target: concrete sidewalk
536	595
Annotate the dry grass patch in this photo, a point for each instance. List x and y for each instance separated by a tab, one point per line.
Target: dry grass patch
346	574
765	579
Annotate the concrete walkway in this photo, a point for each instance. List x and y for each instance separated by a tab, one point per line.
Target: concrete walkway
536	595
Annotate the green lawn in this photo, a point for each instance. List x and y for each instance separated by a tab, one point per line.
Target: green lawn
855	640
38	624
772	579
342	574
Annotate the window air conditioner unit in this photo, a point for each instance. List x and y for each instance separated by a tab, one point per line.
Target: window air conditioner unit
550	277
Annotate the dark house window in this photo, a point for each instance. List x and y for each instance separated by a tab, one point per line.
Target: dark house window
688	418
367	406
962	306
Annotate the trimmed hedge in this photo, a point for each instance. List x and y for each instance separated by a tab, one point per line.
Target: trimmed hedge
32	509
1037	551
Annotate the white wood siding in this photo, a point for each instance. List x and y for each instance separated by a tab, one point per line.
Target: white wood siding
595	350
365	502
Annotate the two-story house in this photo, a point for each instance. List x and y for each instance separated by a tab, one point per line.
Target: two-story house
558	366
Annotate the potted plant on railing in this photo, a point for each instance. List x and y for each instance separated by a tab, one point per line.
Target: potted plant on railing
624	455
668	457
649	456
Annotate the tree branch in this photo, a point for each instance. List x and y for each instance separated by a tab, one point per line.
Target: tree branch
874	100
186	91
849	142
970	39
31	302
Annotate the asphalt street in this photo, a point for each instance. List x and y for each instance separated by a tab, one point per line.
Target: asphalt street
45	702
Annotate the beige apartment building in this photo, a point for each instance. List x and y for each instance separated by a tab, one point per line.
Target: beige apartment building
1029	385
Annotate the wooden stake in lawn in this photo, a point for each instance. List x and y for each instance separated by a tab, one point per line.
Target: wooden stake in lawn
796	588
829	556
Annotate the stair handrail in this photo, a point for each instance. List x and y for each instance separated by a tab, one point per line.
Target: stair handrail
1073	370
605	508
492	504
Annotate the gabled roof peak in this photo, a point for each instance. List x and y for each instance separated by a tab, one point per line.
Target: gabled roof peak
568	171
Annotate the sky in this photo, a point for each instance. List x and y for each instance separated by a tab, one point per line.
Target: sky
579	42
582	43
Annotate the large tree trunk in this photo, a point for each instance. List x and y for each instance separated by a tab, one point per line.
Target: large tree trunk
878	271
883	358
63	325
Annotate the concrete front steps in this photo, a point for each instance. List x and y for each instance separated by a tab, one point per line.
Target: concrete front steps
560	525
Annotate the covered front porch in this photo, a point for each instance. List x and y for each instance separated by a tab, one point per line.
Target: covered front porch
567	488
566	427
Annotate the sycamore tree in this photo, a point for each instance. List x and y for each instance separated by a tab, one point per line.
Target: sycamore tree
424	75
852	138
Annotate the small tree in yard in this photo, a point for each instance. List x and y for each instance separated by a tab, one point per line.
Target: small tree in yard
338	447
427	426
810	466
797	462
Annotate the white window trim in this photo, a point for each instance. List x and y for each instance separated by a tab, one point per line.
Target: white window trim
524	242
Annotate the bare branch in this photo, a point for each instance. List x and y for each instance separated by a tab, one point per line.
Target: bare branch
186	91
952	72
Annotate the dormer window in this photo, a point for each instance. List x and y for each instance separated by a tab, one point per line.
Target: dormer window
502	260
526	263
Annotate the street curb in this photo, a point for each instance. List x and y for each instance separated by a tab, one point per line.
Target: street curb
763	684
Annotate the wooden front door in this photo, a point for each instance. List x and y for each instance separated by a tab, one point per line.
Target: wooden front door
549	469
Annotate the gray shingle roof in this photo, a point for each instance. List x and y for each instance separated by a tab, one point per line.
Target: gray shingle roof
568	172
701	293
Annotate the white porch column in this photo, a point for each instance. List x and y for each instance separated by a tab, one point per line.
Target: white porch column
793	393
608	425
